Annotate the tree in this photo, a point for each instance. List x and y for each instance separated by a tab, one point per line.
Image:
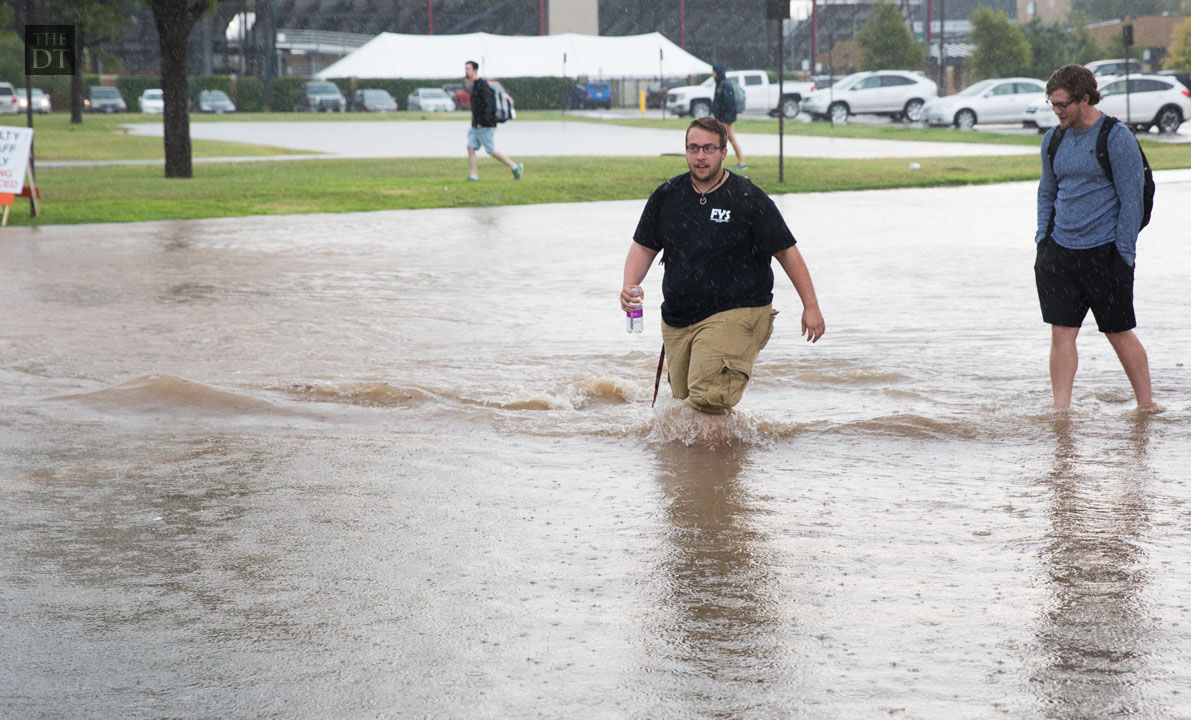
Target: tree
1082	46
1050	47
1180	49
1001	47
1098	10
886	43
175	19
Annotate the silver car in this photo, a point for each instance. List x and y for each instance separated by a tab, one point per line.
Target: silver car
1000	100
372	100
896	93
429	100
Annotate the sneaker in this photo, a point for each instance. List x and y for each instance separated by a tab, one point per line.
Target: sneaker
517	171
741	166
472	178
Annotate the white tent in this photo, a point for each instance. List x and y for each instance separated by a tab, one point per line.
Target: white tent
390	55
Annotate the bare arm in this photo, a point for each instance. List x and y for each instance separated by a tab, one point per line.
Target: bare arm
791	261
636	266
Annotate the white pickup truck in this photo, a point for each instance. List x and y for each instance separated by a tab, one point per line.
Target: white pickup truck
760	94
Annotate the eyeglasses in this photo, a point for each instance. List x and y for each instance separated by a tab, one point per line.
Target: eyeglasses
1061	105
694	149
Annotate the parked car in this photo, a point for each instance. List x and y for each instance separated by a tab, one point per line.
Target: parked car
1106	68
999	100
9	104
152	101
429	100
319	96
460	94
8	99
372	100
104	98
591	95
760	94
215	101
655	96
1154	101
896	93
41	101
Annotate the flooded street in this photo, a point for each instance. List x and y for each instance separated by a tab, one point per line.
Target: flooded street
404	464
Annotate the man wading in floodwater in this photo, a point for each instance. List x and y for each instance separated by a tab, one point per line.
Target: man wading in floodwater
719	233
1087	234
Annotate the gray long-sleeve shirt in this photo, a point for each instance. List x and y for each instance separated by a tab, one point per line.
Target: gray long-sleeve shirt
1091	211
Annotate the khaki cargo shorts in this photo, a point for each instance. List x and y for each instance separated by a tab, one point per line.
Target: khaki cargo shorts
711	361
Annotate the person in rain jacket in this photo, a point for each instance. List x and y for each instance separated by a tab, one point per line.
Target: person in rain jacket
1087	235
723	108
719	233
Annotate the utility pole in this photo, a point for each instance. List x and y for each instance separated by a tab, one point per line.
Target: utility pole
942	51
1127	41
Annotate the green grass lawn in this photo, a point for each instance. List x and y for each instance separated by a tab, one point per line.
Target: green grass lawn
126	193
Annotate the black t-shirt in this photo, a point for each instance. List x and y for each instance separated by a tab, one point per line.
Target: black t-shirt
717	255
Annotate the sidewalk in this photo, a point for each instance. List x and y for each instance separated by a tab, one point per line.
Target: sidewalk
535	138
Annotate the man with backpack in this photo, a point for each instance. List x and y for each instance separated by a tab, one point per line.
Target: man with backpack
723	108
482	132
1090	210
720	234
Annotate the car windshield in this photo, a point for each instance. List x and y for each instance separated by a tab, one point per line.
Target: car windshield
433	94
378	94
977	88
214	95
322	89
104	92
152	94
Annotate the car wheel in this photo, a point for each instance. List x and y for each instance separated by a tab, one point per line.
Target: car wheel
965	119
913	110
700	108
838	113
1168	120
791	107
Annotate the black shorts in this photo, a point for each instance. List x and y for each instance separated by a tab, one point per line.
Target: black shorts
1070	282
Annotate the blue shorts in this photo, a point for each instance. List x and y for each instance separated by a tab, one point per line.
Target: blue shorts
481	137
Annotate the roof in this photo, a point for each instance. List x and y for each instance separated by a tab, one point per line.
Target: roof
390	55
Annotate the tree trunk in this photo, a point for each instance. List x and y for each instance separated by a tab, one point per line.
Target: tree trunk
174	19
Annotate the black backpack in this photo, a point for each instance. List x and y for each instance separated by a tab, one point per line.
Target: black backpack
1147	195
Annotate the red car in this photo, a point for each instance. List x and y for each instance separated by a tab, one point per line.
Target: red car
459	93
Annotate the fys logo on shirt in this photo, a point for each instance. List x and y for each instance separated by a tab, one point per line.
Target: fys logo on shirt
718	215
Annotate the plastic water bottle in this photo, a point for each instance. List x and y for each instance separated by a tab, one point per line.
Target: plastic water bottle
634	318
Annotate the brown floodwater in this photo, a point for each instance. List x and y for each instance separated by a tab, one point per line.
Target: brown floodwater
404	464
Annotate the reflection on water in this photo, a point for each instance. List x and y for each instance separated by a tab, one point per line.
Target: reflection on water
720	630
1097	635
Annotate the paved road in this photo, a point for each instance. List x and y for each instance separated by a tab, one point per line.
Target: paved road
537	138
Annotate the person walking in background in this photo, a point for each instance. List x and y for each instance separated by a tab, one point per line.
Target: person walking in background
1087	234
482	132
719	233
723	107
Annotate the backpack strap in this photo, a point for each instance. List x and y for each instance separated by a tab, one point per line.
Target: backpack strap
1052	148
1102	145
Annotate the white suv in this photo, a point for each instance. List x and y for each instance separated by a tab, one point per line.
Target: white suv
897	93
